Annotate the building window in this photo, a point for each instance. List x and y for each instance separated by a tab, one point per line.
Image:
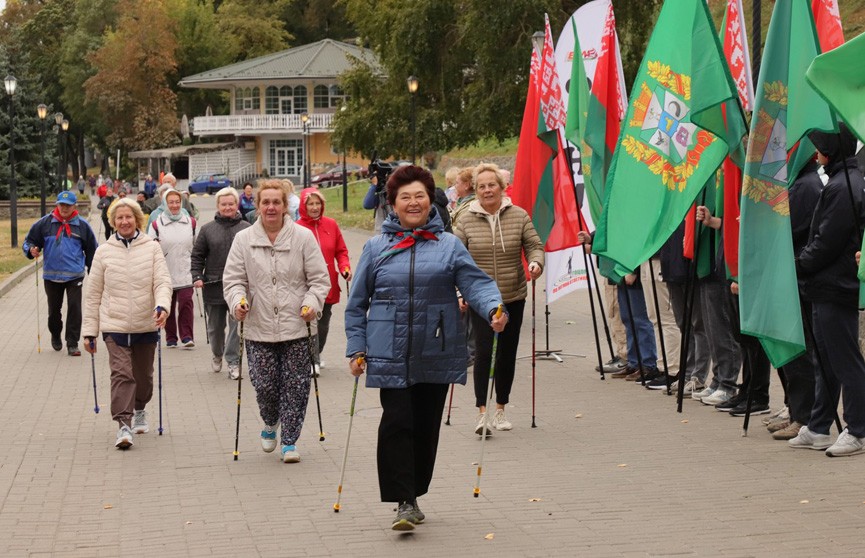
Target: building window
321	97
286	157
271	100
337	96
238	98
300	99
256	99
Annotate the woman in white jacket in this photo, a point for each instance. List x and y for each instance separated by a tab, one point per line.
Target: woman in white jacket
128	293
276	267
174	229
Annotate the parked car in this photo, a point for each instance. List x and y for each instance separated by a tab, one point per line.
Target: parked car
333	175
208	183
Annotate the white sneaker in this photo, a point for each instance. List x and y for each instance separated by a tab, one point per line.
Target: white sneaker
268	438
810	440
688	388
216	364
500	422
139	422
846	444
233	371
718	396
290	454
321	364
479	429
124	438
705	392
783	414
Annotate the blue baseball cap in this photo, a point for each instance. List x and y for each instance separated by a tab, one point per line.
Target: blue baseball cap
67	197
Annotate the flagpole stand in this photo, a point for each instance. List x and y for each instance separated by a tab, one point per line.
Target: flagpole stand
547	353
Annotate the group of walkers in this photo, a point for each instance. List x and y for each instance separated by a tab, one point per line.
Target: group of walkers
827	222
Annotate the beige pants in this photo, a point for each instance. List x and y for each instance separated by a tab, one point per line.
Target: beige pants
672	335
614	319
131	378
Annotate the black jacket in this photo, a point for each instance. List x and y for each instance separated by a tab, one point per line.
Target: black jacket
827	263
804	194
210	252
674	266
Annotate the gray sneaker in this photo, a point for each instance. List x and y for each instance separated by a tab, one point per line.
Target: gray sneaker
418	515
216	364
233	371
139	422
705	392
810	440
846	444
124	438
718	396
405	517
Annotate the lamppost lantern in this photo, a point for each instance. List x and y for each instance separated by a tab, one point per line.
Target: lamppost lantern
538	41
412	84
42	113
65	125
58	118
11	84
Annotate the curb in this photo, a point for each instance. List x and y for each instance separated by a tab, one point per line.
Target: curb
12	281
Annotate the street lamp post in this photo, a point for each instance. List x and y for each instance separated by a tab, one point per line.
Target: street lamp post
42	113
65	127
412	89
11	83
344	172
58	119
304	119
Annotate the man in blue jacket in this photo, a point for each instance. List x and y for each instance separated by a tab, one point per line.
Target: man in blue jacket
68	244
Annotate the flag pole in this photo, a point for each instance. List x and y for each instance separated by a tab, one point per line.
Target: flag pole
690	289
660	326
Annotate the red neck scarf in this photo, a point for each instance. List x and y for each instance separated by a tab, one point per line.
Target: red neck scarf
408	240
64	224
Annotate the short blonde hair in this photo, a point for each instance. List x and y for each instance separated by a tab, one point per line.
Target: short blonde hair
271	184
227	191
140	218
451	175
489	167
288	185
169	179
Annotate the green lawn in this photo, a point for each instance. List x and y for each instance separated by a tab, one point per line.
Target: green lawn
12	259
356	217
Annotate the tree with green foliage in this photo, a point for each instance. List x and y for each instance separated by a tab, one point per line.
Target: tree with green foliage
251	28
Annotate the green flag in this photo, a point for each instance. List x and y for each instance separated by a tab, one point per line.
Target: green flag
785	110
831	76
674	137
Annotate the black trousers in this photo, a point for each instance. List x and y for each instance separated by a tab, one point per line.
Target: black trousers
506	357
55	292
323	328
755	363
800	374
408	438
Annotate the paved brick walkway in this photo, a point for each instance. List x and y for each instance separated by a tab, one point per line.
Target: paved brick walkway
611	469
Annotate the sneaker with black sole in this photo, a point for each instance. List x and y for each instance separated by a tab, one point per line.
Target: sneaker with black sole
756	409
732	403
57	344
405	517
661	383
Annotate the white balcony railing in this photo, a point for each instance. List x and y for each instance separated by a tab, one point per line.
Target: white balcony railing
255	124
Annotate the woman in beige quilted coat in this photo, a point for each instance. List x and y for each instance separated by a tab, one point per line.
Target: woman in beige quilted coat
127	299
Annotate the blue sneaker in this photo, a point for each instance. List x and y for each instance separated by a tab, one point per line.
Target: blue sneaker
171	344
268	439
290	454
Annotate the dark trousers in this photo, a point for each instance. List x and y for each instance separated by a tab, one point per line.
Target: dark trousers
697	363
181	316
506	353
836	332
408	438
54	292
323	328
756	371
800	374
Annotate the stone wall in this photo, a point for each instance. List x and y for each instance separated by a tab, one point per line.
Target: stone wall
29	209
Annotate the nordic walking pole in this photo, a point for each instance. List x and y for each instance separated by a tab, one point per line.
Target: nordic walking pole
360	362
206	332
239	383
93	368
304	310
534	354
451	402
159	362
38	320
477	491
200	307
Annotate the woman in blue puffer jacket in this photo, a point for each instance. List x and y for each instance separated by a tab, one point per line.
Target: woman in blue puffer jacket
403	318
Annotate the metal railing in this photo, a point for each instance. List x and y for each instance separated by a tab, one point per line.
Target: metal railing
244	173
250	124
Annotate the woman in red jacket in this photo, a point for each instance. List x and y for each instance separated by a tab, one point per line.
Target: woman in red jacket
332	245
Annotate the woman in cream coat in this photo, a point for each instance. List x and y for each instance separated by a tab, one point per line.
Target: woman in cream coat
277	269
128	294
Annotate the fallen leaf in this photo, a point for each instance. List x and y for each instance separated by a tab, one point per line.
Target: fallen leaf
579	415
684	421
570	322
804	502
474	462
534	499
107	507
189	523
623	464
490	536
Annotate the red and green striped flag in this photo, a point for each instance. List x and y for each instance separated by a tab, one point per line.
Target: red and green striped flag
674	137
785	110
